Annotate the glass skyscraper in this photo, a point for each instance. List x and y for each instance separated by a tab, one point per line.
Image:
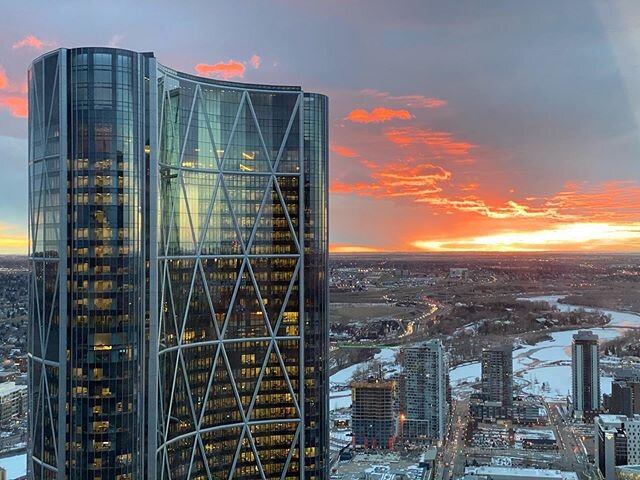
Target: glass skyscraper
178	249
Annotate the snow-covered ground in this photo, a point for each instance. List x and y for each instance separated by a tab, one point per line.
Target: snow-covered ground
341	379
16	466
548	363
338	400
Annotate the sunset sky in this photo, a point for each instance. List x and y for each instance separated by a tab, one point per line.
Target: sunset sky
455	125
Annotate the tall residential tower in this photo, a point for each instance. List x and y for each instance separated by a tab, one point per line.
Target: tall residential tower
425	392
497	374
585	374
178	249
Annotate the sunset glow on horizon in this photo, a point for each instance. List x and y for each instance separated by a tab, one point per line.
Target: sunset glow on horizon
566	237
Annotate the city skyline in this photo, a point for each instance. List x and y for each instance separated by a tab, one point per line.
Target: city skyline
455	127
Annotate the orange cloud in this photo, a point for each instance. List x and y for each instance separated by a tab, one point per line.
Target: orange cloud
611	201
361	188
440	142
343	151
468	187
12	98
416	180
568	236
341	248
377	115
510	209
4	81
16	105
255	61
430	184
396	180
618	201
230	69
415	101
32	42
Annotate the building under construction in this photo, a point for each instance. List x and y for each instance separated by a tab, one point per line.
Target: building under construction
373	415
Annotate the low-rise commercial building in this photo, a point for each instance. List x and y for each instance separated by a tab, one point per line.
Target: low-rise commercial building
520	411
512	473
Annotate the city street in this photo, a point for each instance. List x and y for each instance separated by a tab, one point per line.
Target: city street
451	458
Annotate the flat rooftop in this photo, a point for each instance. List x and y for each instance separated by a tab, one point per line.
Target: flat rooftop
379	466
512	472
10	387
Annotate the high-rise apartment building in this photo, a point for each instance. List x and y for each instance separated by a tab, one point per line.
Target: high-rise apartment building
497	374
585	369
373	413
425	392
178	249
625	392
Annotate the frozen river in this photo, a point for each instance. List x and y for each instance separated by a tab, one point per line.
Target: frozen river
549	362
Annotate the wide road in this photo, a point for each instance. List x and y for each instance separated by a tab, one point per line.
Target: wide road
450	462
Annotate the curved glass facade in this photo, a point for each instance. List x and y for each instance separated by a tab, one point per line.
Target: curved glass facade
186	259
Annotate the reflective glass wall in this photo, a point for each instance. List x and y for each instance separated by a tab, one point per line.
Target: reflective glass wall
316	290
91	387
47	211
179	298
231	343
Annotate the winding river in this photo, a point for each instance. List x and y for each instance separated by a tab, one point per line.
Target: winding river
545	368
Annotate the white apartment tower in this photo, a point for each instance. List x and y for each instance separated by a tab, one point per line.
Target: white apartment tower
425	392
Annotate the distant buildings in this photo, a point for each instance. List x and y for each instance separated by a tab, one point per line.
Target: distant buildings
523	411
425	392
495	400
497	374
459	274
617	442
373	417
585	369
625	392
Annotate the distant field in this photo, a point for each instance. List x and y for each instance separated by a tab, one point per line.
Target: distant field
366	296
349	312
